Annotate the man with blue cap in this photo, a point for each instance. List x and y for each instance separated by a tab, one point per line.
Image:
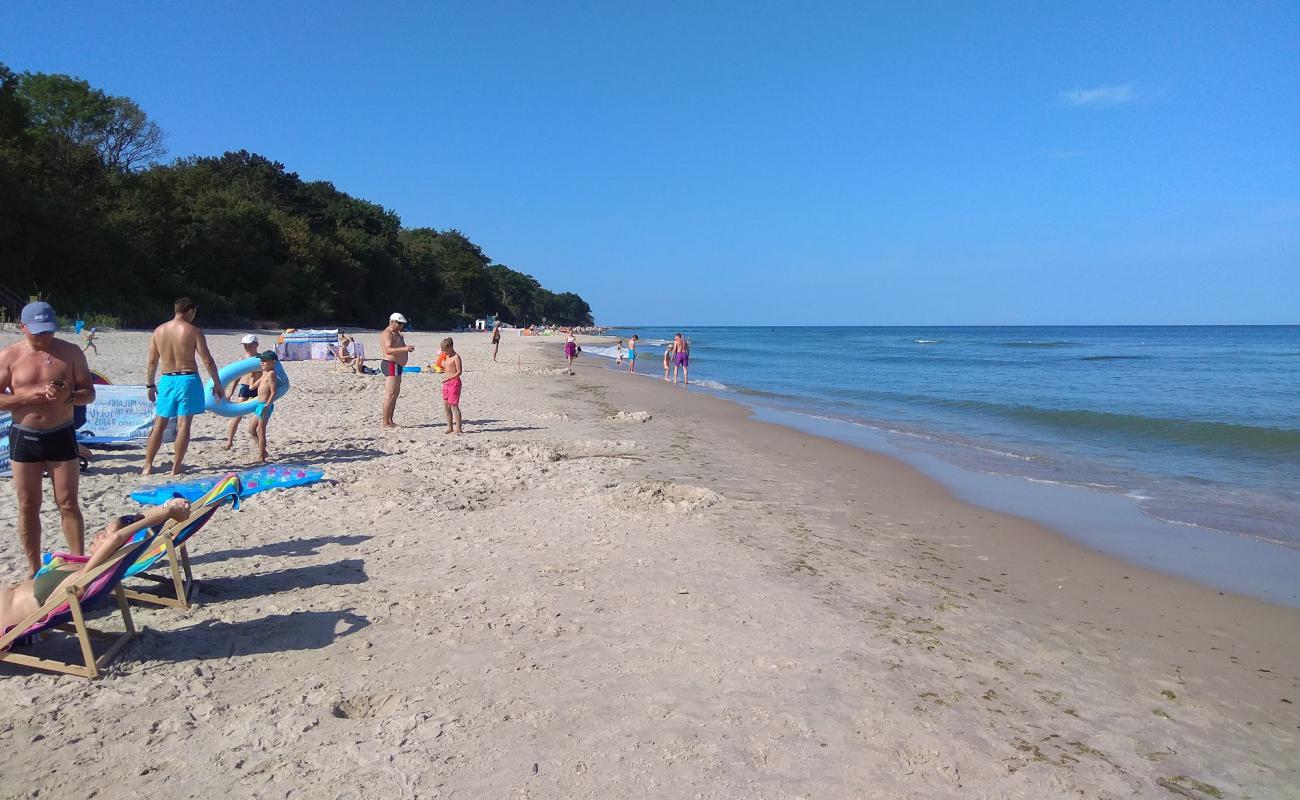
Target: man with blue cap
42	379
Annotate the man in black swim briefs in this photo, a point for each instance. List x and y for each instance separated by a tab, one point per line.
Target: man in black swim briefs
396	353
42	380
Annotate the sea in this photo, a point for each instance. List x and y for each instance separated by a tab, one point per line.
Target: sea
1176	447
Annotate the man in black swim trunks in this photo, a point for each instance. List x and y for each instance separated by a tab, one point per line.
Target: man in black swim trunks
42	379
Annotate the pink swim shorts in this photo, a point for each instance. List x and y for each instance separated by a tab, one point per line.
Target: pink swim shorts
451	392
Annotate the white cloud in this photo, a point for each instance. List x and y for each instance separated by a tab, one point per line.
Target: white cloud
1100	95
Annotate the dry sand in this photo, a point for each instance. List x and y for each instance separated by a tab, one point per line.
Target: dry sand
612	588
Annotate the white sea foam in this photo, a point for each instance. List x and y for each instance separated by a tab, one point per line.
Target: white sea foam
927	341
708	384
605	352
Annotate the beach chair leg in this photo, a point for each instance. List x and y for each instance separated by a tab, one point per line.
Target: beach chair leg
83	637
185	565
178	581
125	608
179	569
127	635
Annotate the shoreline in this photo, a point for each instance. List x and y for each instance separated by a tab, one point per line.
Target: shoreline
1050	579
1106	523
577	599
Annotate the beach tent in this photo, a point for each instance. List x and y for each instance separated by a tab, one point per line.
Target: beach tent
307	345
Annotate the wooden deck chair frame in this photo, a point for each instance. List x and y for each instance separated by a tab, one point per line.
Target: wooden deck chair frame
92	664
179	576
178	572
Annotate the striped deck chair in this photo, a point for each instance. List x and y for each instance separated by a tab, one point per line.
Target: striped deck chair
65	611
172	543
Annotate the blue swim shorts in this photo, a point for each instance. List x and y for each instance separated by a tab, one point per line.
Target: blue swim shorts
179	395
263	411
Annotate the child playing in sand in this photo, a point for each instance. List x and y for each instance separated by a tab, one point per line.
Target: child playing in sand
267	383
451	385
90	341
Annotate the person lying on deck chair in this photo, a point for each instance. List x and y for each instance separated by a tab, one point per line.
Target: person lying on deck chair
20	601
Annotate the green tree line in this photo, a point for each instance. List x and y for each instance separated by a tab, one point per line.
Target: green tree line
92	222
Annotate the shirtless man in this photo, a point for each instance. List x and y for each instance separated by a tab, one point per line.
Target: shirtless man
41	380
681	358
179	392
396	352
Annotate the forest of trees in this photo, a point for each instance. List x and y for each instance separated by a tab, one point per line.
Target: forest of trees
92	222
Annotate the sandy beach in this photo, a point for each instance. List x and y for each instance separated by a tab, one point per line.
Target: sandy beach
609	587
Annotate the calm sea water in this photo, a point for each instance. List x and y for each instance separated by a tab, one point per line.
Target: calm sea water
1197	426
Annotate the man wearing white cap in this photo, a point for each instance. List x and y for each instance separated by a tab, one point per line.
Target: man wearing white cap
42	379
241	388
396	352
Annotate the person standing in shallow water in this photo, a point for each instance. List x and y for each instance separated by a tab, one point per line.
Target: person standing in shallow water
681	358
177	346
42	380
451	385
396	353
631	353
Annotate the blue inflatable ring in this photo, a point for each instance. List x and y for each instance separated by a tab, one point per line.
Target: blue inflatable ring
229	373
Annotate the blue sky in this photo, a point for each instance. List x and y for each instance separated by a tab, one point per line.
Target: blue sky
766	163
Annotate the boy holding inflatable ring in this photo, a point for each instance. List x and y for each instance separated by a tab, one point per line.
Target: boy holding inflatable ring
242	387
266	385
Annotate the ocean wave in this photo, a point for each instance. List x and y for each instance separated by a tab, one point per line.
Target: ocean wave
765	393
927	341
717	386
1042	345
600	350
1115	358
1199	433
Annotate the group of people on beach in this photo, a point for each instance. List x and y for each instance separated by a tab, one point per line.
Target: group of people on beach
45	384
677	356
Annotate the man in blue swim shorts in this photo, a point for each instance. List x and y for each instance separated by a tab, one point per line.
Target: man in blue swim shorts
177	346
